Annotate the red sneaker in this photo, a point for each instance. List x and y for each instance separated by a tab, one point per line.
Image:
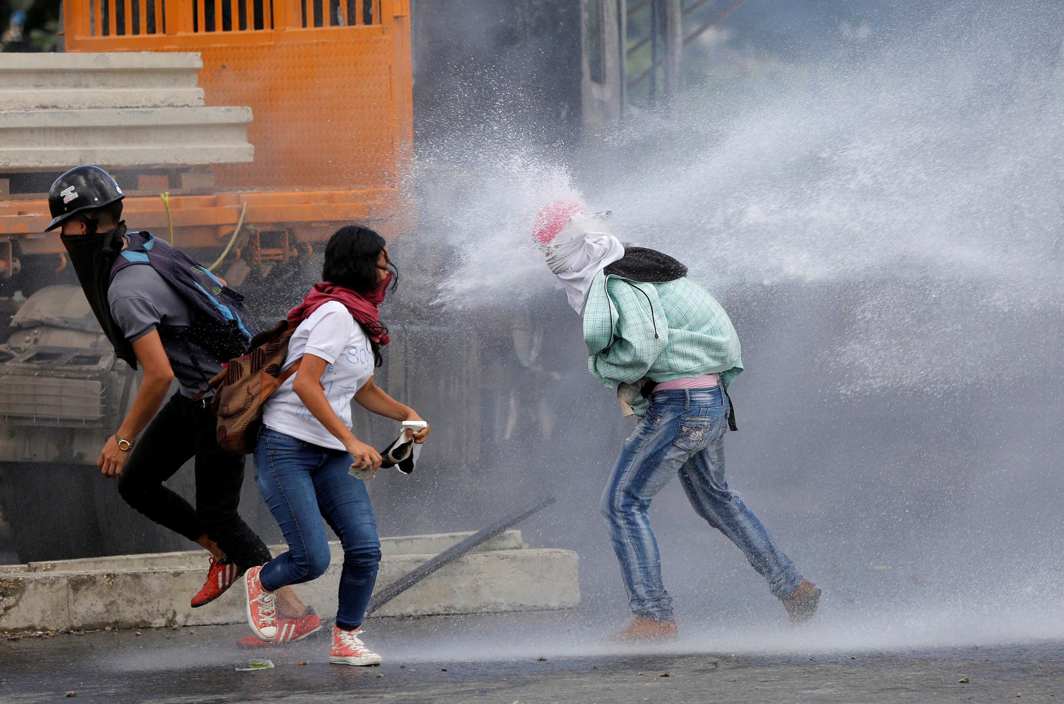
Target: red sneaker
348	649
289	630
220	577
261	607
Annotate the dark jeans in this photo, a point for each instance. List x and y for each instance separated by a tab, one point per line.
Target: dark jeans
302	483
183	429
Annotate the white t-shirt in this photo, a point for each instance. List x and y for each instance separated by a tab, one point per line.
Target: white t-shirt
332	334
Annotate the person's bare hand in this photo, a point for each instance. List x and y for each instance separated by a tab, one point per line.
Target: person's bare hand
364	456
111	460
419	436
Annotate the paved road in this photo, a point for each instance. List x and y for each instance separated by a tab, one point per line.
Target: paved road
493	659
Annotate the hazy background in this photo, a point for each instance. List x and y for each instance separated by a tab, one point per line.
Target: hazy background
874	192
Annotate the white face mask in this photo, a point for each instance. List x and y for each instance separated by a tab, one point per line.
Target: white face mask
583	248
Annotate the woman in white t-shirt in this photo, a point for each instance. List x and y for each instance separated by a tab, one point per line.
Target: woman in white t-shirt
306	447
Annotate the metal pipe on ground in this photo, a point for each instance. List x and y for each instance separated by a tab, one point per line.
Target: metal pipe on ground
456	551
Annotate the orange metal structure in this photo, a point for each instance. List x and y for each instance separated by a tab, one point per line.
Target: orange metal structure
329	83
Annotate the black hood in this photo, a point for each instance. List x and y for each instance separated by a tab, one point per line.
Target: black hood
647	266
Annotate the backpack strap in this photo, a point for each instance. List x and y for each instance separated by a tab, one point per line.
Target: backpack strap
138	244
218	379
283	376
218	321
278	334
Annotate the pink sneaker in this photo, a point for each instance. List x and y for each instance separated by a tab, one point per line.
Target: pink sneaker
348	649
290	630
262	607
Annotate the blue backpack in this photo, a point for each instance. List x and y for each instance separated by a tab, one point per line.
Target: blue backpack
219	323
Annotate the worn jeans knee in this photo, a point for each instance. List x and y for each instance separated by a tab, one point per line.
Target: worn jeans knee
366	557
310	564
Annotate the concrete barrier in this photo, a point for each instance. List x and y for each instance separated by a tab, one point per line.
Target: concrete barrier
88	98
99	80
153	590
116	109
52	139
100	71
197	559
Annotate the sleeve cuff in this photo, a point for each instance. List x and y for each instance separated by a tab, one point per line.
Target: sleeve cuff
137	335
327	355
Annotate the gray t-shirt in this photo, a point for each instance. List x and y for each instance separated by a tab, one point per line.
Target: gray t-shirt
142	301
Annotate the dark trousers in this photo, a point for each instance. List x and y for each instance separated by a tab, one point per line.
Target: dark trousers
183	429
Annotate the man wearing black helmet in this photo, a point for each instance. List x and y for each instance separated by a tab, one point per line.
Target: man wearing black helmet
151	322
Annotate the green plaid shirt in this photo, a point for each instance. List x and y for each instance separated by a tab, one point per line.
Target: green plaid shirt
661	332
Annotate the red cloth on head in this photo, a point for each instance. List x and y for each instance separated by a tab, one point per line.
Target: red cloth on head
552	219
363	307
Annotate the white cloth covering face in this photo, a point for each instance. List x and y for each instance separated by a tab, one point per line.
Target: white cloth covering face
581	250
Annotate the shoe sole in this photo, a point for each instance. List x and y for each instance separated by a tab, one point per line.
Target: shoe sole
251	621
212	599
356	662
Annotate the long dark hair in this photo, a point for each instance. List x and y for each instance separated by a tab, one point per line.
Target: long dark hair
351	261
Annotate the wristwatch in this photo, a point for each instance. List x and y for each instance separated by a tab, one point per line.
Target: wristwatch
123	444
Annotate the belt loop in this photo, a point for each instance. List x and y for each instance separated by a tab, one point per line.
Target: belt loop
687	399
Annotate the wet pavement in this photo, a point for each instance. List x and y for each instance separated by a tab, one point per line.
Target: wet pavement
528	658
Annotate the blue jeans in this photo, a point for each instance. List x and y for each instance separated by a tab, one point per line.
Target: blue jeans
682	431
303	483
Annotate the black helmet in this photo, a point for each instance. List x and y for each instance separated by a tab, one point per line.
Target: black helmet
81	189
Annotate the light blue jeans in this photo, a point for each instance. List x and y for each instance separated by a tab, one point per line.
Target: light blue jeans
302	484
682	431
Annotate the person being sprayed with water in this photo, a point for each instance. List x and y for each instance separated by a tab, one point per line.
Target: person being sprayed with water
306	453
156	307
670	351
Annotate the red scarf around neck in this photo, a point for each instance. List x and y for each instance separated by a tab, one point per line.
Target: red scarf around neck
363	307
